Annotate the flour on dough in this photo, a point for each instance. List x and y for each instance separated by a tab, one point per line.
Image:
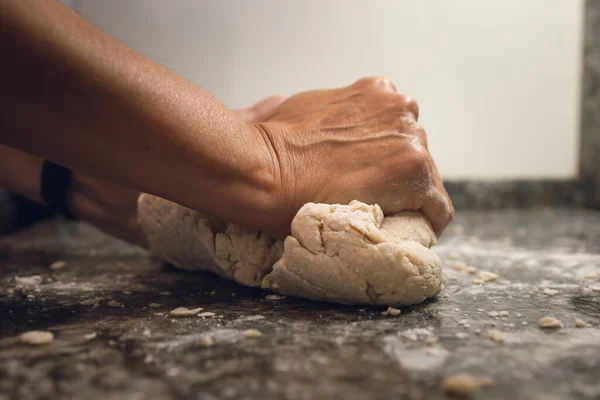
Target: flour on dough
346	254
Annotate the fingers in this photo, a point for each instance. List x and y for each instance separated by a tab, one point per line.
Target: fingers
437	205
438	209
407	103
410	104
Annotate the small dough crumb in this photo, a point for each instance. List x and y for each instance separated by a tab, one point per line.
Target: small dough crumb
459	266
36	337
430	341
115	304
184	312
493	313
90	336
464	385
33	280
503	313
594	288
471	270
56	265
90	302
127	292
579	323
274	297
206	341
487	276
206	314
496	336
391	311
252	333
549	292
591	275
164	294
155	305
550	322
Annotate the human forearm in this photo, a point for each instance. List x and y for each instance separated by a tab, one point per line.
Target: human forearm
74	95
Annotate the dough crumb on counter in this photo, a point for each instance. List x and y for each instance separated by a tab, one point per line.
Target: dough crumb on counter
591	275
91	302
57	265
392	311
459	266
487	276
164	294
430	341
115	304
579	323
36	337
549	322
274	297
33	280
184	312
496	336
464	385
549	292
252	333
206	341
207	314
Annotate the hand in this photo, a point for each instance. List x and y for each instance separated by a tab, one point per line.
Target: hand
359	142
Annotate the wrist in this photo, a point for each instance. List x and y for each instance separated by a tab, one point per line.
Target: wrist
261	182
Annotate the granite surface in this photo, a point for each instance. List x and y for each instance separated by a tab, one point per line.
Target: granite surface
307	350
485	195
590	106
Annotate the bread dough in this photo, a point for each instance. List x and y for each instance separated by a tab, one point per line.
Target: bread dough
347	254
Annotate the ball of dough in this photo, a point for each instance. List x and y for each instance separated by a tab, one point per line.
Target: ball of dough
346	254
351	254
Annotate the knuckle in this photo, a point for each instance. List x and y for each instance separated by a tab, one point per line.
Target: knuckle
408	105
379	82
418	165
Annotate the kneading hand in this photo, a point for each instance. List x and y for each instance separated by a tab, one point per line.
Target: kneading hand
361	142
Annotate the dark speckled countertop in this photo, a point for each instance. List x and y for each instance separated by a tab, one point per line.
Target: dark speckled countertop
307	350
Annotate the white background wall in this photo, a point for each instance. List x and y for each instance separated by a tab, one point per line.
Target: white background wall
497	81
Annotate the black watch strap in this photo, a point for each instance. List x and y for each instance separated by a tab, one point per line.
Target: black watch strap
53	187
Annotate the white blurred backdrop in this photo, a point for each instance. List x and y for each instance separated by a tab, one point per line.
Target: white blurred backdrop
497	81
